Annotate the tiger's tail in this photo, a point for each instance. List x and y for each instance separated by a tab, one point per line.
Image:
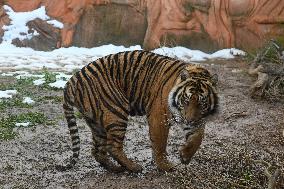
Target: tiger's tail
68	107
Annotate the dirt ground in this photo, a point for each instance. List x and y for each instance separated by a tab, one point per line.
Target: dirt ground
244	130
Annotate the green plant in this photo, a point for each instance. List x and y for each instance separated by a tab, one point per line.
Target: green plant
7	134
8	123
14	102
280	39
22	85
78	115
24	81
49	77
56	99
247	178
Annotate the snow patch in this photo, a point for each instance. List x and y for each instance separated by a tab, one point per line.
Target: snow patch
28	100
227	54
28	75
69	59
7	93
7	74
59	84
197	55
182	53
39	81
63	76
24	124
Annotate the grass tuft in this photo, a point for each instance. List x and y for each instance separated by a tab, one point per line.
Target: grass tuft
8	123
14	102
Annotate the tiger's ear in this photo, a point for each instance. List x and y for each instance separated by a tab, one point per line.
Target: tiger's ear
214	79
184	75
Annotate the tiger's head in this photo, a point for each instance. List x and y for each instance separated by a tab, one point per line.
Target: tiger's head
192	98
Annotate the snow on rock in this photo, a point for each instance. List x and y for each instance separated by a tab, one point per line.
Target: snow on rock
196	55
183	53
18	23
56	23
24	124
18	27
28	100
59	84
7	93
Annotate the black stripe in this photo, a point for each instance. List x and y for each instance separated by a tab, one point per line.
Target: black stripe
118	129
115	125
118	71
76	143
154	68
74	137
77	149
168	77
125	60
73	131
69	116
135	66
113	110
130	67
90	93
118	139
81	85
71	124
112	88
67	108
142	95
116	101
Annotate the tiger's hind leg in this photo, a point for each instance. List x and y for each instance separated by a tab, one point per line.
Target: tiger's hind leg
115	135
99	150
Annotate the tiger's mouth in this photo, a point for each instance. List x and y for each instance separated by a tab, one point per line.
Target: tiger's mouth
188	123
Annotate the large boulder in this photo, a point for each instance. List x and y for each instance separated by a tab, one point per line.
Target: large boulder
45	38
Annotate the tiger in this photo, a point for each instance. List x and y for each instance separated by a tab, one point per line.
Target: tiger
138	83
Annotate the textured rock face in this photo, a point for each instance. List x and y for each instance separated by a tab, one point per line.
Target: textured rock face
202	24
4	20
116	24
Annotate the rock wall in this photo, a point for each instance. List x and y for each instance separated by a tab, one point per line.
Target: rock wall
202	24
97	26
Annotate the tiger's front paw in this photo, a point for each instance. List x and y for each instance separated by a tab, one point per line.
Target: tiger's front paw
135	168
165	166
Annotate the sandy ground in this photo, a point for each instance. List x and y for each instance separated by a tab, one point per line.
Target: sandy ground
242	131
